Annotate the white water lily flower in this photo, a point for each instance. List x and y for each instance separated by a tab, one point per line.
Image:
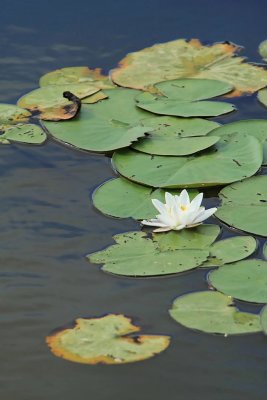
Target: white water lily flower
179	213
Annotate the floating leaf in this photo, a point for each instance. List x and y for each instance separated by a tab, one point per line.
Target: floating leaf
138	256
230	250
265	250
176	136
233	158
212	312
11	115
263	49
180	98
105	126
262	96
94	98
189	59
63	76
263	317
244	280
105	340
244	205
124	199
253	127
22	133
48	102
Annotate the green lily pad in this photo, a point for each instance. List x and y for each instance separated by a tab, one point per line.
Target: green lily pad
253	127
74	75
181	98
105	126
263	317
265	250
124	199
105	340
48	102
230	250
136	255
22	133
233	158
182	58
245	280
11	115
213	312
244	205
263	49
262	96
176	136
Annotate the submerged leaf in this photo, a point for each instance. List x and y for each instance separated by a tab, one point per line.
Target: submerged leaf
105	340
213	312
189	59
244	205
181	97
233	158
244	280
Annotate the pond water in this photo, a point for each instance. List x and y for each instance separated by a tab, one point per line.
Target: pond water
48	222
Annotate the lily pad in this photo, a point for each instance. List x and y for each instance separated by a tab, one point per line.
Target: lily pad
233	158
74	75
253	127
245	280
136	255
124	199
181	97
176	136
213	312
105	340
263	316
262	96
48	102
263	49
189	59
105	126
244	205
230	250
22	133
11	115
265	250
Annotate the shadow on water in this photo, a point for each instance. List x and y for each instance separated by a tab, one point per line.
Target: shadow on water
48	223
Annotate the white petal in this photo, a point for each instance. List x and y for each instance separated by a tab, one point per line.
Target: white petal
179	227
184	198
204	215
158	205
168	228
196	202
169	198
153	222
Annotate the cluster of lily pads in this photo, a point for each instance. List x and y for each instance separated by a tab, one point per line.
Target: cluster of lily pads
150	115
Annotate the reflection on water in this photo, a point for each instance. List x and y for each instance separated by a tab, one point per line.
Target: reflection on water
48	223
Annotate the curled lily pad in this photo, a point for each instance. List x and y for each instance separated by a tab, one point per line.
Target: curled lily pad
50	104
184	59
22	133
181	98
124	199
136	255
244	205
230	250
105	126
263	317
253	127
245	280
233	158
74	75
11	115
213	312
105	340
176	136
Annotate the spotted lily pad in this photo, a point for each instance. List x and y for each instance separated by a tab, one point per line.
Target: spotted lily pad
22	133
230	250
49	103
181	97
105	126
11	115
213	312
253	127
245	280
136	255
176	136
233	158
189	59
124	199
244	205
105	340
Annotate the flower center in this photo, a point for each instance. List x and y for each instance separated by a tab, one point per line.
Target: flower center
183	208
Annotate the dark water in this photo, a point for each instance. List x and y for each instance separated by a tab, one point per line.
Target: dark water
48	223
